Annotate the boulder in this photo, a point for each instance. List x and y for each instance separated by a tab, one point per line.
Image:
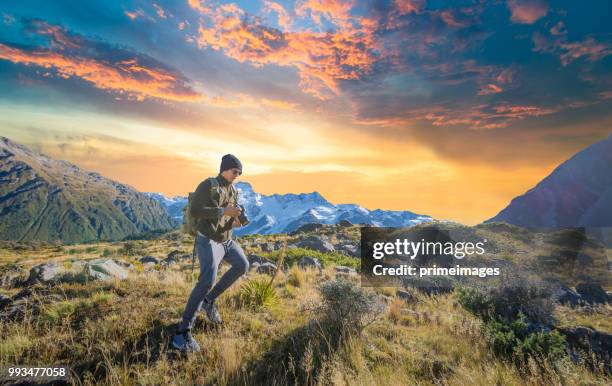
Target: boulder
105	269
45	272
316	243
267	268
588	344
341	269
566	295
592	293
310	262
349	249
256	259
149	259
12	277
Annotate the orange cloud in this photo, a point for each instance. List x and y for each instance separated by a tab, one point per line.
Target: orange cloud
125	77
322	58
527	11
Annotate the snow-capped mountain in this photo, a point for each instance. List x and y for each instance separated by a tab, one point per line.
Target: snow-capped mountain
283	213
174	205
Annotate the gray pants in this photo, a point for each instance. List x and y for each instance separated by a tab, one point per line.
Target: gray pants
210	253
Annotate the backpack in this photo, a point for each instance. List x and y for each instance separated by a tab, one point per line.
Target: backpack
190	223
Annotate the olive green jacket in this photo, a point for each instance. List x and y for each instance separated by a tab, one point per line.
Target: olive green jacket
207	207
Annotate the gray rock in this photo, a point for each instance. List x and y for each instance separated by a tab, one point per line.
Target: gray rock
349	249
345	270
149	259
12	277
592	293
256	259
105	269
267	268
310	262
405	295
594	343
266	247
316	243
45	272
566	295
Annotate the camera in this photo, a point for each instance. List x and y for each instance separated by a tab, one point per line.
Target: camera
244	220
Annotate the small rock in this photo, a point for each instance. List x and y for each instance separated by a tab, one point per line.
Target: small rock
309	262
267	268
405	295
317	244
349	249
149	259
266	247
256	259
345	270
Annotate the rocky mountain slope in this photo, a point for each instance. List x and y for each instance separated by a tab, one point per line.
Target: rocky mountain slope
46	199
578	193
284	213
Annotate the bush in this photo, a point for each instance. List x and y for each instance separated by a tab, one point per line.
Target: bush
258	293
515	340
346	307
475	301
518	295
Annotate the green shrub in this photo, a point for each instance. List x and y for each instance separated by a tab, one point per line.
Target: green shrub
258	293
327	259
475	301
514	340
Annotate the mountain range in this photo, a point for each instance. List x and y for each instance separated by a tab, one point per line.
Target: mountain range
46	199
283	213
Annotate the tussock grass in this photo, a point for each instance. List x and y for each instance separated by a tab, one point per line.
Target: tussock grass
118	333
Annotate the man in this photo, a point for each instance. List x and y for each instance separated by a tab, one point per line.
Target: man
214	205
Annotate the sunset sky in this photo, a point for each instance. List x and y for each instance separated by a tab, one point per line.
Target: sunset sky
417	105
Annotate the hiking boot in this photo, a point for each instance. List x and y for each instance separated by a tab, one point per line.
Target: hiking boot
212	312
184	342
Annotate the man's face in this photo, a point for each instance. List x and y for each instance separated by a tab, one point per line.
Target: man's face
231	174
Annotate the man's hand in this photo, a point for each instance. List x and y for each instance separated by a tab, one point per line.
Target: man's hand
232	211
236	223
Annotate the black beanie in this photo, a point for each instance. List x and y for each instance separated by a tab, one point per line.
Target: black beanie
229	161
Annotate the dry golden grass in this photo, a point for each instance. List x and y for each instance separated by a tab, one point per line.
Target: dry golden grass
118	333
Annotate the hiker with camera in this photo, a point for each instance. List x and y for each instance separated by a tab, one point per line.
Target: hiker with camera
210	215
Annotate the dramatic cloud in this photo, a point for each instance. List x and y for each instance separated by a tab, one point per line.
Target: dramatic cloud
322	58
105	67
527	11
557	44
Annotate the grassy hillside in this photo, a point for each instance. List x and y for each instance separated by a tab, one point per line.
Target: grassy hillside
118	332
